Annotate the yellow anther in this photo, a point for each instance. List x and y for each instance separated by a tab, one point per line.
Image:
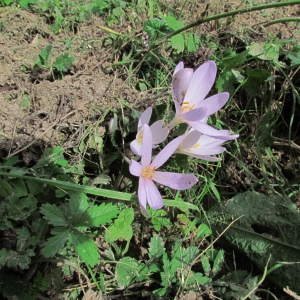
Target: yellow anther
148	172
186	107
197	145
140	137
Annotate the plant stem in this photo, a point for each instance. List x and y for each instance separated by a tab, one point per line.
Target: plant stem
226	15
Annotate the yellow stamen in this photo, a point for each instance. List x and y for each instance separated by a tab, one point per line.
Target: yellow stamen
186	107
139	137
197	145
148	172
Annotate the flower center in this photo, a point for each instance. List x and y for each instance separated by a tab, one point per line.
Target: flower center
148	172
139	137
186	107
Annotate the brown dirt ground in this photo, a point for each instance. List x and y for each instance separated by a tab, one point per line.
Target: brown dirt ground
58	112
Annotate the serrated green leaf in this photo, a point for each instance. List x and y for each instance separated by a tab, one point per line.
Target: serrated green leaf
121	227
234	60
225	82
264	51
102	214
19	186
159	219
177	42
156	28
21	208
25	239
255	78
55	243
58	20
85	248
54	215
44	55
42	282
156	247
218	262
294	56
203	231
63	62
192	42
78	204
13	259
129	270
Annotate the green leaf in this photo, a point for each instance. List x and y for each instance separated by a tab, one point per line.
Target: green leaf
129	270
21	208
234	60
159	219
55	243
44	55
177	42
13	259
156	28
24	3
264	51
102	214
173	23
54	214
121	227
255	78
25	239
63	62
85	248
203	231
156	247
257	235
58	20
52	156
218	262
192	42
5	189
294	56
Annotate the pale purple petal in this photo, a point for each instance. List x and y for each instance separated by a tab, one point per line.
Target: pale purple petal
178	67
135	168
208	130
195	115
208	150
142	195
201	82
165	153
180	83
159	133
145	117
154	198
214	103
208	141
175	181
190	140
146	147
136	147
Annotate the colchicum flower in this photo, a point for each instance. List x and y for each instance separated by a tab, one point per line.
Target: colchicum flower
147	172
201	146
159	133
189	90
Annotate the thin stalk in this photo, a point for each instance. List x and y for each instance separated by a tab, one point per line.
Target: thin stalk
225	15
282	20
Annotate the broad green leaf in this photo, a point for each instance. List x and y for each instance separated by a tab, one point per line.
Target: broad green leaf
55	243
156	28
226	82
11	161
25	3
20	188
102	214
156	247
234	60
268	225
85	248
63	62
173	23
128	271
255	79
54	214
25	239
121	227
192	42
78	204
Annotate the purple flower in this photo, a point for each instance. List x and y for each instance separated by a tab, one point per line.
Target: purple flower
159	133
201	146
189	90
147	172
